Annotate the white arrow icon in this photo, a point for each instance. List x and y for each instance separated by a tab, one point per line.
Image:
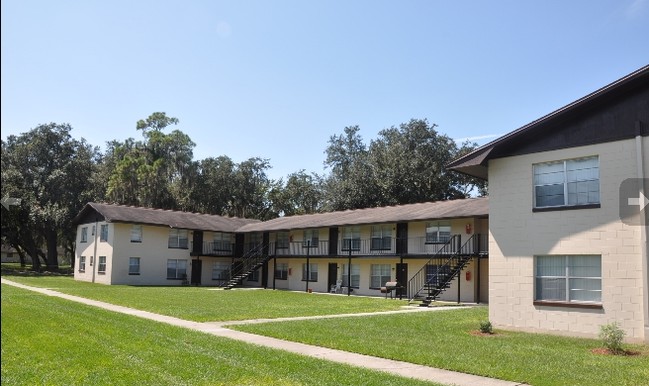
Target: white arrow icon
641	201
7	201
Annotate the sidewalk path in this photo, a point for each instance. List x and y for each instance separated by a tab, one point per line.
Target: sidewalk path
404	369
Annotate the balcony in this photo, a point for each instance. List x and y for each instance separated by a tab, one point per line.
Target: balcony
212	248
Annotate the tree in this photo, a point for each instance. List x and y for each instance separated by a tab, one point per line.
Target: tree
214	185
250	190
302	194
53	175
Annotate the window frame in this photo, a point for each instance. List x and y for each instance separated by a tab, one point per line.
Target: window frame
356	276
103	233
101	265
82	264
568	288
313	272
218	270
310	238
176	238
281	240
130	265
378	233
434	231
381	276
137	233
565	185
281	271
222	242
84	235
177	276
351	239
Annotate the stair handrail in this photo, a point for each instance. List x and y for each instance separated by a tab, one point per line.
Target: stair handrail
250	259
446	248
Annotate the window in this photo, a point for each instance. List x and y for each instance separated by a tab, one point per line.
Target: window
379	275
356	275
101	268
222	242
178	238
136	233
381	237
566	183
282	240
134	266
176	269
82	264
103	232
351	238
253	276
254	241
281	271
84	235
568	279
312	275
438	232
311	237
436	273
221	271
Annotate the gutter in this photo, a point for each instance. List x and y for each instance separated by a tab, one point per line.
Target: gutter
644	227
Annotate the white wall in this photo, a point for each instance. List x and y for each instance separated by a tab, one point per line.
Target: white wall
517	235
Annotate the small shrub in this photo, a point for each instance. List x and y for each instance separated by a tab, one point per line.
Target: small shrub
486	327
612	336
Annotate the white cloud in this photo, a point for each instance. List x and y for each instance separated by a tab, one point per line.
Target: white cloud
476	138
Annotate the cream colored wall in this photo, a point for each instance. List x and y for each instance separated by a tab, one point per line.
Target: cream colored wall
517	235
92	249
153	252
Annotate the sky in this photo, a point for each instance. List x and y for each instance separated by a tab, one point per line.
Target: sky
276	79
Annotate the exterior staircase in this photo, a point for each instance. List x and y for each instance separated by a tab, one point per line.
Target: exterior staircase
436	275
251	261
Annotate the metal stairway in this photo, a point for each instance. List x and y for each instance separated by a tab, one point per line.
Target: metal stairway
251	261
436	275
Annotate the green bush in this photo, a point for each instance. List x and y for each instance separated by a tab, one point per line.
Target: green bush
612	336
486	327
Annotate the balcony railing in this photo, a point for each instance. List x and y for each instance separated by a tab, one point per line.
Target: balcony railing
386	246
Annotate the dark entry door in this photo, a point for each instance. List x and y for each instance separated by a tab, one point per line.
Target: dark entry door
402	279
196	271
333	275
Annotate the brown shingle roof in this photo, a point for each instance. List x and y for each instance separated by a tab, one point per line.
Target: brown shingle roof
174	219
412	212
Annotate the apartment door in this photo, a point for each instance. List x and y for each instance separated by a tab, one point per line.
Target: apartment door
402	279
333	275
196	271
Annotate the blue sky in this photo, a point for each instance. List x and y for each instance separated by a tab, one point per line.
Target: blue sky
275	79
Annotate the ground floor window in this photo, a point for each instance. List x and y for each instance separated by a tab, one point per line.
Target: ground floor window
134	266
281	271
82	264
312	273
379	275
221	271
176	269
254	275
435	274
356	275
101	268
568	278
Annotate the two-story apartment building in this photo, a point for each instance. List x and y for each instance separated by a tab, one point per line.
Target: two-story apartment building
435	250
119	244
568	215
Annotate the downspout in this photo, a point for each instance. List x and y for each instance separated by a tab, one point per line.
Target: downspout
643	226
93	259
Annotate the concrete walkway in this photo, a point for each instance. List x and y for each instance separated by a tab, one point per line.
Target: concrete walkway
404	369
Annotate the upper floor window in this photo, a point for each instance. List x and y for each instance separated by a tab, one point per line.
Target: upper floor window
84	235
282	240
222	242
178	238
438	232
254	241
103	232
572	182
381	237
351	238
136	233
311	237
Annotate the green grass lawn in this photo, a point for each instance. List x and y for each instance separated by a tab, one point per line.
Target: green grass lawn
51	341
202	304
443	339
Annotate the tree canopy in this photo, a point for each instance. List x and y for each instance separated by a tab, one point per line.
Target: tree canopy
56	175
